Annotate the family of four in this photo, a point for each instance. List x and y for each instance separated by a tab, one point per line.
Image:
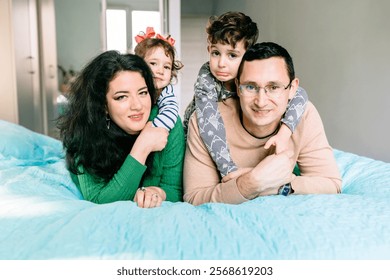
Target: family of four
249	131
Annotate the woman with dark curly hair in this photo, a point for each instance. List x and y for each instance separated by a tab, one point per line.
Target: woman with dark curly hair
112	150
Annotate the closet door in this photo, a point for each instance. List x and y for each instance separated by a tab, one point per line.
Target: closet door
36	64
25	32
48	65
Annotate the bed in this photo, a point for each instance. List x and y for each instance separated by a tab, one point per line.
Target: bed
43	216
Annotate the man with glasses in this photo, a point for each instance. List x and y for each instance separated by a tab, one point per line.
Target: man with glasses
265	82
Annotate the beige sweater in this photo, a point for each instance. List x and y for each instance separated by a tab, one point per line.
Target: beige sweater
202	182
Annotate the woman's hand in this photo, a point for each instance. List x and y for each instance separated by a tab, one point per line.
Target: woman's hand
149	197
154	138
151	139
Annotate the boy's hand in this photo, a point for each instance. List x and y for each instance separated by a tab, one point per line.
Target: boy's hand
280	140
235	174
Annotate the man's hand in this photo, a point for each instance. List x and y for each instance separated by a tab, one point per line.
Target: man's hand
267	177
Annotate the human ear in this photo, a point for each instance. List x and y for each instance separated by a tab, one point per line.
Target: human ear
293	88
237	82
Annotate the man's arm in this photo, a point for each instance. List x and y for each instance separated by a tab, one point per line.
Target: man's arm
202	181
316	161
266	177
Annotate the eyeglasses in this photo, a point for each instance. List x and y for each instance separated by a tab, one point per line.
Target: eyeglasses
271	90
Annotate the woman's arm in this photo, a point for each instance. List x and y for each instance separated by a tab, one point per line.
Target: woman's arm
127	180
122	186
167	170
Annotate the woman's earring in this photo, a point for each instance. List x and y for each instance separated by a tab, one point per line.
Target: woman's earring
108	121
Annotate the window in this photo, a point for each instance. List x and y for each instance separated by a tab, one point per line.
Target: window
142	19
116	30
118	37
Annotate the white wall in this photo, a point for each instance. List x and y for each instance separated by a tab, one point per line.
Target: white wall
341	55
78	29
8	93
194	54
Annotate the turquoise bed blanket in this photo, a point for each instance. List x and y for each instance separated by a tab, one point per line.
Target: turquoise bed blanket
43	216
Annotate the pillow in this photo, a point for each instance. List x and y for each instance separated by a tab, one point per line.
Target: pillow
362	175
18	142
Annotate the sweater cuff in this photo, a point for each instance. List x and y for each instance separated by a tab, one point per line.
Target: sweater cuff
131	163
231	193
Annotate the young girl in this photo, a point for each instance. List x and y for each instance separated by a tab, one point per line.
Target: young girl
229	36
159	53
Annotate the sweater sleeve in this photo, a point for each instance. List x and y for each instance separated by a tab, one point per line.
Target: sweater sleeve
210	123
295	110
168	109
202	181
167	169
316	161
122	186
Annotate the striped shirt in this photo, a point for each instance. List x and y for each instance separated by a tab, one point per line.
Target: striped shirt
168	109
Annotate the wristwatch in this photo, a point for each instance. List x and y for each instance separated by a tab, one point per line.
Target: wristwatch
285	190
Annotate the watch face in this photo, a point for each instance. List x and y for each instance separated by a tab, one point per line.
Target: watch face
285	189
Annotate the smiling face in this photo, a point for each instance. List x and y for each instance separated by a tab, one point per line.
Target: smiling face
225	60
128	101
262	114
161	65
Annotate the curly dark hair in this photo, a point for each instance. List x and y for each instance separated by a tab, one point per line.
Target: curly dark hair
149	44
83	129
230	28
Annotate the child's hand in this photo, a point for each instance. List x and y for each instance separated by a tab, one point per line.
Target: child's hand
280	140
235	174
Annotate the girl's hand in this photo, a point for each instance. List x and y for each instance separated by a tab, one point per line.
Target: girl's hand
149	197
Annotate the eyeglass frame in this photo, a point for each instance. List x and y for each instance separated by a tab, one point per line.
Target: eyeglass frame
258	88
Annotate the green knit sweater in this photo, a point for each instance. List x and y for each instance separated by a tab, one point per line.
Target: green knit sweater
166	172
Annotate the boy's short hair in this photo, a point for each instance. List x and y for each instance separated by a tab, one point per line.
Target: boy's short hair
230	28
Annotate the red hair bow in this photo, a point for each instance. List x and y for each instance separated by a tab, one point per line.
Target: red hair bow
169	39
150	34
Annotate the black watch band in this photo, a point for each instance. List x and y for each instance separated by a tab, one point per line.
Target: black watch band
285	189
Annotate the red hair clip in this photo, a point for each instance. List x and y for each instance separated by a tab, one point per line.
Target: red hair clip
150	34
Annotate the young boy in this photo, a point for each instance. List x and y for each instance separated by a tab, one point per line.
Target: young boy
229	36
